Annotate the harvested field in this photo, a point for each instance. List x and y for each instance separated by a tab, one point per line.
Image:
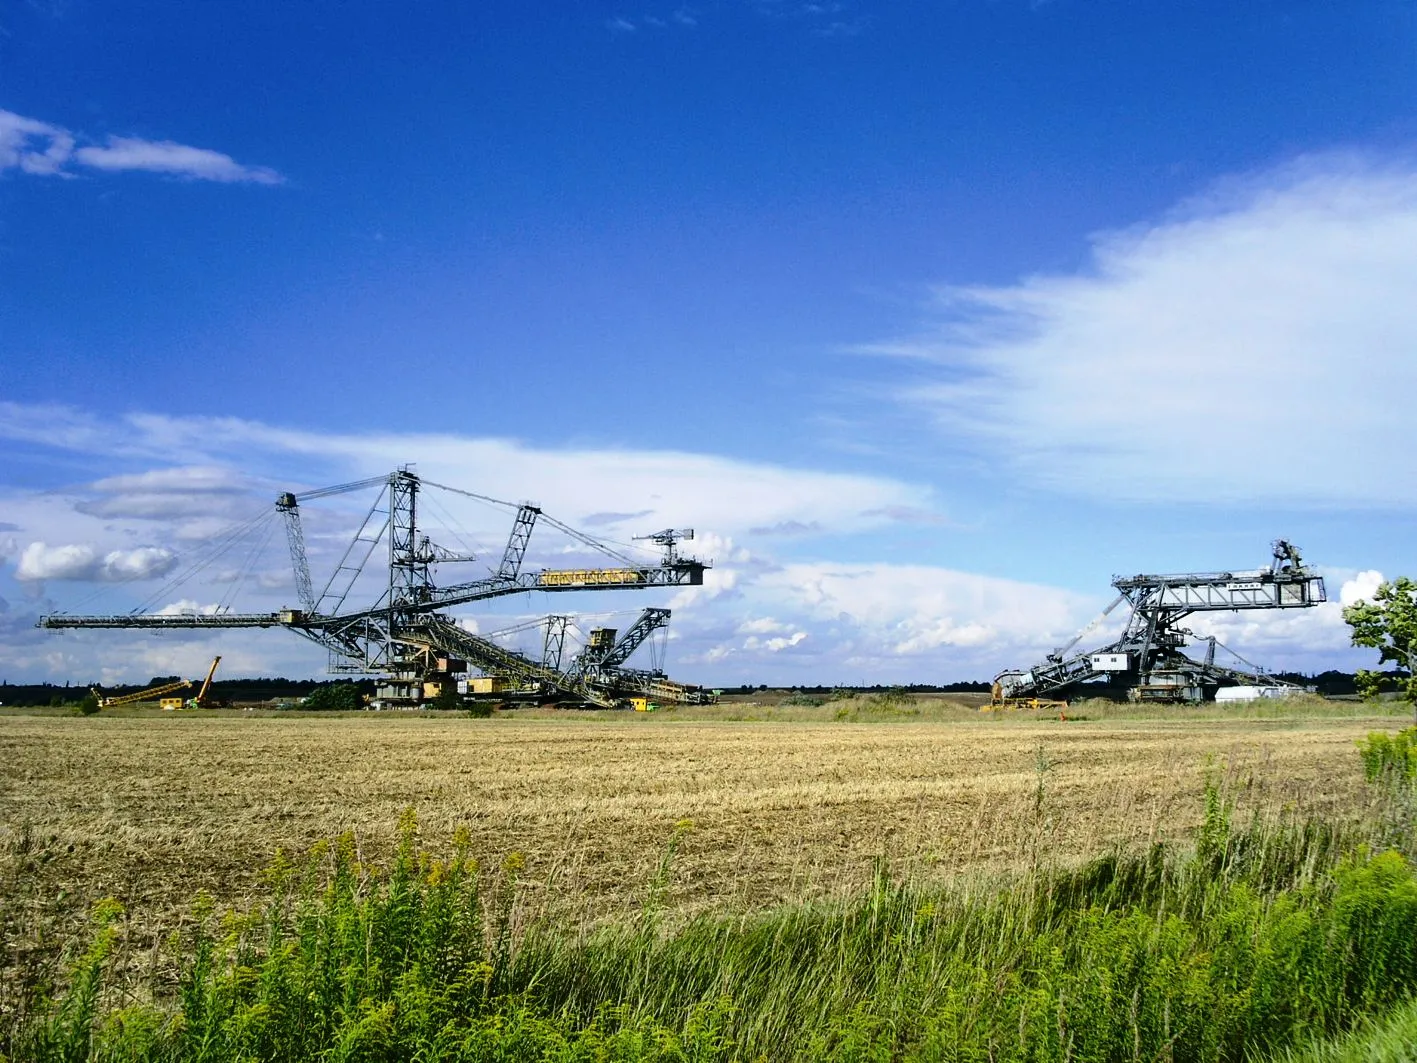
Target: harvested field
151	809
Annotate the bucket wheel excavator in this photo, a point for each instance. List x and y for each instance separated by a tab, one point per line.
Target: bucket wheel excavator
1146	662
406	638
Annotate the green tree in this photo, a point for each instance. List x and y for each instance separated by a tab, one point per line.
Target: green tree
1388	624
88	704
334	697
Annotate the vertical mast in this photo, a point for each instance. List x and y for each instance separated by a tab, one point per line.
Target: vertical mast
409	578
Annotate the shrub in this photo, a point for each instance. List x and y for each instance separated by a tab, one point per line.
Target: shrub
334	697
809	700
1390	757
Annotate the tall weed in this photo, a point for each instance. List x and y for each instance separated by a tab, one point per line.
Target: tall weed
1262	936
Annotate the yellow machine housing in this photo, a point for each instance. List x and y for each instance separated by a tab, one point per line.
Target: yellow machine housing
489	684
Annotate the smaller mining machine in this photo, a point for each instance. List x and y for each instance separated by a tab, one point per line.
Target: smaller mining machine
597	676
1146	662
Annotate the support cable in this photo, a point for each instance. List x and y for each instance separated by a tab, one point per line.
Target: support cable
247	567
580	536
452	526
223	547
472	494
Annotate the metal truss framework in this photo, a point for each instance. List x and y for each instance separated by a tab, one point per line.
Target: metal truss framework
1146	662
404	636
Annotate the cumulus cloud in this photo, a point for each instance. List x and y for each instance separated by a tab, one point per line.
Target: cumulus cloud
906	610
820	622
1360	588
763	625
189	607
771	613
83	561
1255	345
776	644
35	147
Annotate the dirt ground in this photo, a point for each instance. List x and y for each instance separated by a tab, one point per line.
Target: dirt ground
153	808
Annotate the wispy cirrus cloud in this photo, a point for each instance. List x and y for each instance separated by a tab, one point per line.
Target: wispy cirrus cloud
1255	344
823	18
681	17
42	149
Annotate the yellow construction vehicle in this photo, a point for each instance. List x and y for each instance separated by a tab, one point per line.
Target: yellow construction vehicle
151	694
203	699
999	703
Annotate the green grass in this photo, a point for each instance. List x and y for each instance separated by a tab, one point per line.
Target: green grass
1286	940
1254	941
1391	1039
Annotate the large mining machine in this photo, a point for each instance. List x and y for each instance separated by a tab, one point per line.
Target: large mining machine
405	637
1146	662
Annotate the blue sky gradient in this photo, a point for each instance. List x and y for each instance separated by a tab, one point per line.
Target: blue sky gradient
987	290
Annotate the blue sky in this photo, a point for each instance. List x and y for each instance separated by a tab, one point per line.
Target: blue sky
931	316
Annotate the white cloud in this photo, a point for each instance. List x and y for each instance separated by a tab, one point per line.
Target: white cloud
910	610
165	156
762	625
41	561
36	147
181	478
82	561
774	614
1360	588
31	146
774	645
629	491
168	494
1255	346
817	622
188	607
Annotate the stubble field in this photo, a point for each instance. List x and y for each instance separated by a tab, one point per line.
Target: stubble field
152	809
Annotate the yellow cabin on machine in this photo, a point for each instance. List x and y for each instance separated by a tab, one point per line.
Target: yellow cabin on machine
642	705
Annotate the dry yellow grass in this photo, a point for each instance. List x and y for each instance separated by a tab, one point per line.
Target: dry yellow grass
152	809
